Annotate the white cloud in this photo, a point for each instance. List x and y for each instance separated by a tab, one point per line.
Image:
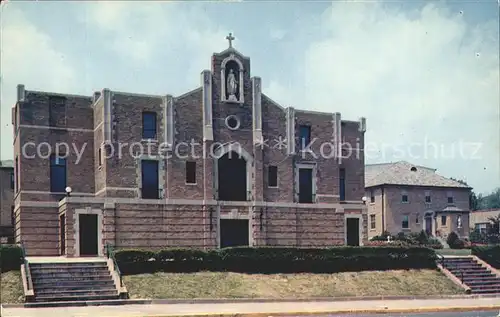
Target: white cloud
415	78
28	57
277	34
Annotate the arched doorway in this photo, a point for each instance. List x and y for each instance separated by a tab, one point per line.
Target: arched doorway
428	219
232	177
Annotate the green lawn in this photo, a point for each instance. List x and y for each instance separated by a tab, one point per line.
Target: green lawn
11	288
236	285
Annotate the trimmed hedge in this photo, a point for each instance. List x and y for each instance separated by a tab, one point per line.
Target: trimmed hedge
489	254
11	257
275	260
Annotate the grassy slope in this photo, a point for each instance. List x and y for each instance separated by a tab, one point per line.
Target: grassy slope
11	288
234	285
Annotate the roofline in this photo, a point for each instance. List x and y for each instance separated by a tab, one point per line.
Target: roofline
405	185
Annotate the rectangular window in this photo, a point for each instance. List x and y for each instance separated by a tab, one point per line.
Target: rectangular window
450	199
417	219
405	223
12	180
100	156
428	197
342	184
443	221
149	125
150	184
372	222
57	174
372	196
304	136
12	216
272	176
190	172
306	193
57	111
404	198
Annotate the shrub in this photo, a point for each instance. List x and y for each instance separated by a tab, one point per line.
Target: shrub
11	257
489	254
454	241
276	260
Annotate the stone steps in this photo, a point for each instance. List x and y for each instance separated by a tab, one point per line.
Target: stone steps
72	281
478	278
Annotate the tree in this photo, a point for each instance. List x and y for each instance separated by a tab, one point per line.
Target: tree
492	201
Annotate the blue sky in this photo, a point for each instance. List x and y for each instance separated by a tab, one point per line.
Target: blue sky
424	74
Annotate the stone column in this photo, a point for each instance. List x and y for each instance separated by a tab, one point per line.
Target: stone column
258	141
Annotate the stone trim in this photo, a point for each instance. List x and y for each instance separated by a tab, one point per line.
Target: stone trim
110	200
136	94
38	204
257	109
57	94
21	93
290	130
168	118
274	102
315	112
107	97
76	229
115	188
41	127
362	124
188	93
337	134
241	82
39	192
328	196
206	81
357	216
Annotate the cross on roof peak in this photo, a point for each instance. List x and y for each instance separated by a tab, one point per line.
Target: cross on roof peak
230	38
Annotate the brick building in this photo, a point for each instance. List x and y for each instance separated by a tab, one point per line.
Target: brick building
403	197
209	168
6	201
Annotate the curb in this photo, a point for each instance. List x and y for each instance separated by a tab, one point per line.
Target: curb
119	302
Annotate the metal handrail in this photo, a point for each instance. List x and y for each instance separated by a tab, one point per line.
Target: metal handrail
461	271
26	268
111	255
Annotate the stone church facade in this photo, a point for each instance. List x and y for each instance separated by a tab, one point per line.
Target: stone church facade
210	168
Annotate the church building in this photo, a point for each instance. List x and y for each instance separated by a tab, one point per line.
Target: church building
218	166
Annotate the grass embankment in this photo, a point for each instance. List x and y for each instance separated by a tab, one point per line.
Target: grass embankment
236	285
11	288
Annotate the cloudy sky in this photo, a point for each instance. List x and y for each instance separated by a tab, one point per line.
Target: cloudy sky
424	74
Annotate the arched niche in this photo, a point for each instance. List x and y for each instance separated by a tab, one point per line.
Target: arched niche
232	81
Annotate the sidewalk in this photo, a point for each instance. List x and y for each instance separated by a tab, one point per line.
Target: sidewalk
255	309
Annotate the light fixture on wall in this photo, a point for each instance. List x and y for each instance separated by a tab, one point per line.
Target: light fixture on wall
68	191
364	200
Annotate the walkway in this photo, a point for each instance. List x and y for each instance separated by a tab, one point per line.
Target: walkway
260	309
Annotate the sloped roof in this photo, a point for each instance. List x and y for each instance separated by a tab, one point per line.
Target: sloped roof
404	173
7	163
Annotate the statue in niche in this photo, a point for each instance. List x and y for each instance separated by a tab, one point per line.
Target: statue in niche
232	86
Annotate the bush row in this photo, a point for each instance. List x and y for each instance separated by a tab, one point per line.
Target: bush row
489	254
275	260
420	239
11	257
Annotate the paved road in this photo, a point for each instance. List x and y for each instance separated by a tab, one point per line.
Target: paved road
268	309
467	314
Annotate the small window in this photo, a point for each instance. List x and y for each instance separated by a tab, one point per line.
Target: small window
100	156
16	171
443	221
190	172
450	199
372	196
149	125
417	219
405	224
304	136
404	198
12	180
273	176
12	215
372	222
342	184
428	197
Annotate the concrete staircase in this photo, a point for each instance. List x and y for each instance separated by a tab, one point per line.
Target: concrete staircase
72	281
473	274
